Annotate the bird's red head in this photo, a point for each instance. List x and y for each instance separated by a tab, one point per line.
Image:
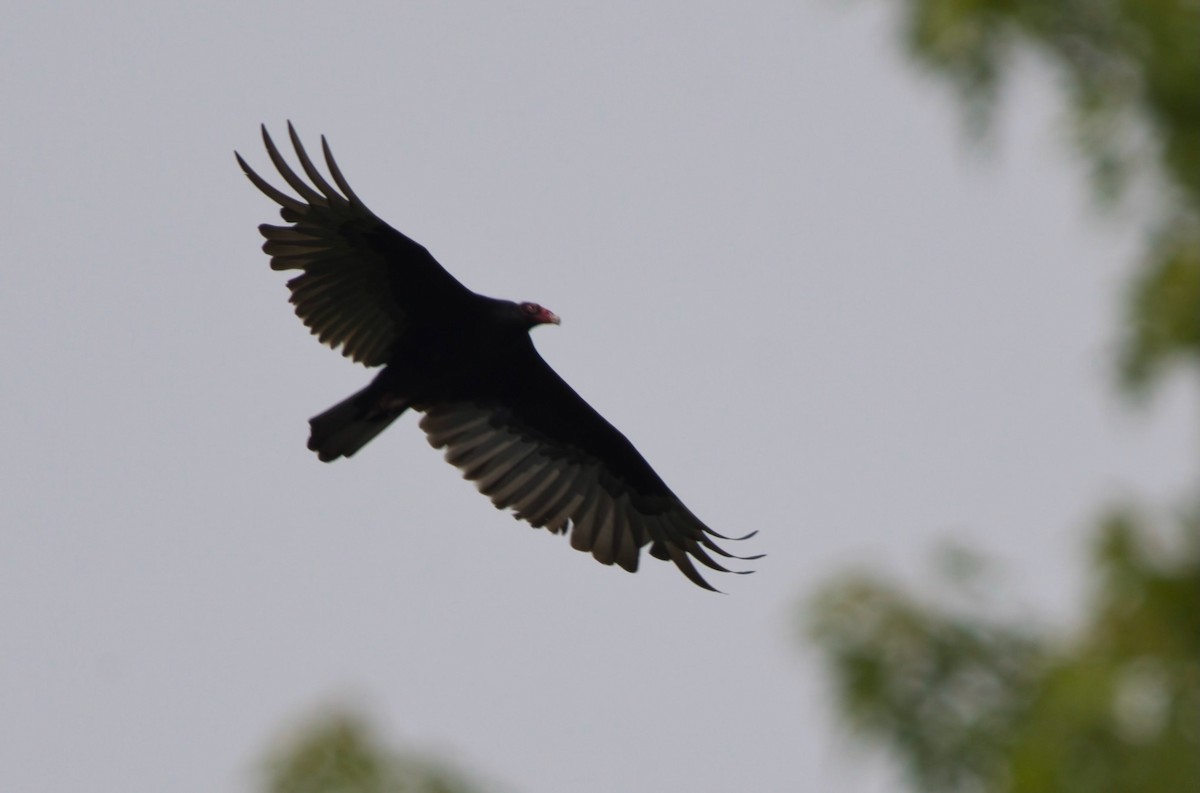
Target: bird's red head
537	315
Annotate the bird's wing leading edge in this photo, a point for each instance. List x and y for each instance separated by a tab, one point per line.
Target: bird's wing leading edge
536	447
361	281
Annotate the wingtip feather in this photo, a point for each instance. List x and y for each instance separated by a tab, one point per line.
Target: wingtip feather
336	173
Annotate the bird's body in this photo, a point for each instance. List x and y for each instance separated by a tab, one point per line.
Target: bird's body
468	364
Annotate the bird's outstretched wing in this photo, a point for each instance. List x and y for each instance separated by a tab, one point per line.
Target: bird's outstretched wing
532	444
362	282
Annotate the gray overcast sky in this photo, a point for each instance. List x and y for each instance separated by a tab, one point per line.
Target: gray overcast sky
781	274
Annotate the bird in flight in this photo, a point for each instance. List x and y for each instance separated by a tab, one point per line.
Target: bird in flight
467	362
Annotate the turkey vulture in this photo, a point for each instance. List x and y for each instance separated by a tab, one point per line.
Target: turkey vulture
465	361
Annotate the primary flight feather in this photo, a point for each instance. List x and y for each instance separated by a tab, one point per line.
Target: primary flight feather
465	361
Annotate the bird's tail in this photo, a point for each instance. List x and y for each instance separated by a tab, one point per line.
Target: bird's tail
352	423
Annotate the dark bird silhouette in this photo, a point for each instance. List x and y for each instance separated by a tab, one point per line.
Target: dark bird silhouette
504	417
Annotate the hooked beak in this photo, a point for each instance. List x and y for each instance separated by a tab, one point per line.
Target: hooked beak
549	317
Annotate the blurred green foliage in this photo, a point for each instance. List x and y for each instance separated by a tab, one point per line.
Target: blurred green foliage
1164	306
971	703
338	753
968	702
1130	71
